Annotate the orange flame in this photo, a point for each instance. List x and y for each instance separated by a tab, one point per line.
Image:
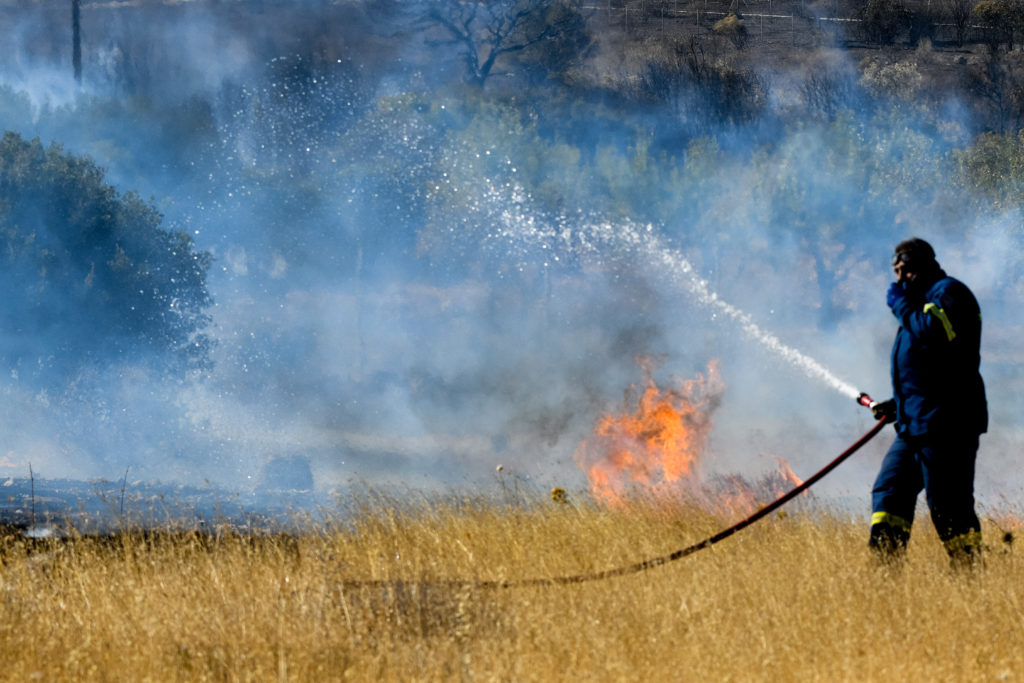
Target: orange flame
733	494
657	447
786	473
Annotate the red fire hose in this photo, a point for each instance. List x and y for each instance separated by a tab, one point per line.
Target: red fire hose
709	541
644	565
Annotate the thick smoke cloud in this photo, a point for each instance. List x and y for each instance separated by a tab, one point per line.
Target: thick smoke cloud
392	304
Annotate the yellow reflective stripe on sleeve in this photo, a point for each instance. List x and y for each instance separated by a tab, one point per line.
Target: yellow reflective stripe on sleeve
890	520
943	318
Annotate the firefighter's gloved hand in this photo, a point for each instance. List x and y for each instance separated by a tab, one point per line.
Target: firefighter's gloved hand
884	410
895	295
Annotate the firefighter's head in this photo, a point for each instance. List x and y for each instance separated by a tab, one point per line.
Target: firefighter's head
914	262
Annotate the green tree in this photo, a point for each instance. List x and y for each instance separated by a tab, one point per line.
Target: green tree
1002	19
732	27
992	15
91	276
884	21
994	167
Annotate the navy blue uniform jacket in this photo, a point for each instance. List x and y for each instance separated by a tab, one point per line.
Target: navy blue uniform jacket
935	360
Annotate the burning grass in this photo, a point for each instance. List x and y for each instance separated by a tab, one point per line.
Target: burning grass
794	597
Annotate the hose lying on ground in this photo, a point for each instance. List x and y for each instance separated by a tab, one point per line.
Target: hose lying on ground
653	562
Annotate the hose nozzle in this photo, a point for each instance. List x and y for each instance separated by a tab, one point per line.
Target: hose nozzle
882	410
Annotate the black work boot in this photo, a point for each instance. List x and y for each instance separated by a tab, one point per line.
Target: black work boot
888	543
964	551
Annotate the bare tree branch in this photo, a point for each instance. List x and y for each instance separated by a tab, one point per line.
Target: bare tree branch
487	30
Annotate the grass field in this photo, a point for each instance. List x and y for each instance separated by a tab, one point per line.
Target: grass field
792	598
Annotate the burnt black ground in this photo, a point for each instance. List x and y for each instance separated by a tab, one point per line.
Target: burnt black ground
58	507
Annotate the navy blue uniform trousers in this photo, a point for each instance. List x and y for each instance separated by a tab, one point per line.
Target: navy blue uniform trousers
941	466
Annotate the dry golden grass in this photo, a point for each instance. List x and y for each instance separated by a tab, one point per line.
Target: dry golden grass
793	598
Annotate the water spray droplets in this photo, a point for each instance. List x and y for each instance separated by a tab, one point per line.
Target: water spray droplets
595	240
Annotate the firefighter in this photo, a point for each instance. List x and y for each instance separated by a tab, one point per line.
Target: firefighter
938	408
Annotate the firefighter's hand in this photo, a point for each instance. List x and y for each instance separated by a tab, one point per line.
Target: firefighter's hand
895	295
884	410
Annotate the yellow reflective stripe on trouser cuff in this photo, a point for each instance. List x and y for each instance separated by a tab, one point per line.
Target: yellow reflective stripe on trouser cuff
891	520
943	318
968	541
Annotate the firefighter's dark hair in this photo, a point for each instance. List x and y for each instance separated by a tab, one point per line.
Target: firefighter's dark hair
916	253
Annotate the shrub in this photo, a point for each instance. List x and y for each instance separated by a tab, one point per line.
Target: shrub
99	278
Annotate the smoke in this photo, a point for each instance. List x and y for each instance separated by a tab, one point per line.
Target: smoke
645	247
415	282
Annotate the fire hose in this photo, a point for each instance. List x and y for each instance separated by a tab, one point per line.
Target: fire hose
651	563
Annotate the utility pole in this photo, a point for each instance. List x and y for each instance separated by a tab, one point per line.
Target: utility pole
76	41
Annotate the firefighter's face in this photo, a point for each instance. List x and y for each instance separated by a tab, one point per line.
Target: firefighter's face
904	273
